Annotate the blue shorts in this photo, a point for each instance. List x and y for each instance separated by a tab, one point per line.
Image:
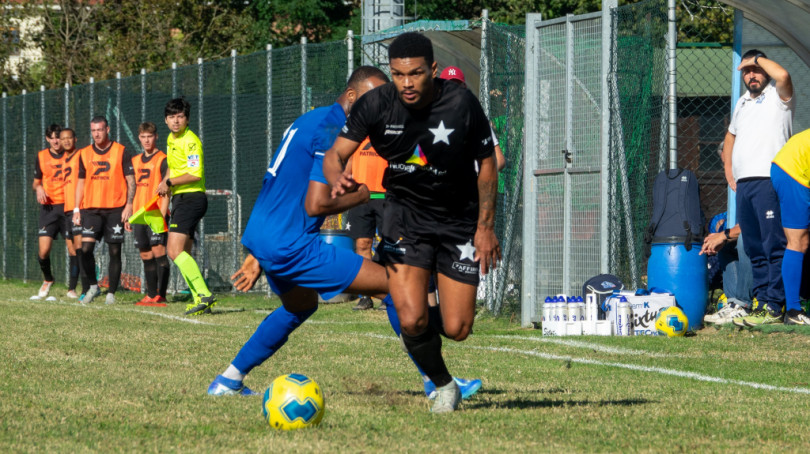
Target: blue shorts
327	269
794	199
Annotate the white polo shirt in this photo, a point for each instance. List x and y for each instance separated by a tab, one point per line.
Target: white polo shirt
761	126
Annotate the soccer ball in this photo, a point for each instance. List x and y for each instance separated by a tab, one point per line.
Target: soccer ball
671	322
293	401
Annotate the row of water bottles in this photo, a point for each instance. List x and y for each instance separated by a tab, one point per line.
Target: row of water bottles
561	308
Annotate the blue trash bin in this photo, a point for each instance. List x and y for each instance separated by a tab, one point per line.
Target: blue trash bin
341	239
684	274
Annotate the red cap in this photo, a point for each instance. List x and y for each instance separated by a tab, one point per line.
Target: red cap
452	72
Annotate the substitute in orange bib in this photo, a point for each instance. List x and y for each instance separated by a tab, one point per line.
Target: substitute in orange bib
70	170
104	193
49	188
364	221
150	169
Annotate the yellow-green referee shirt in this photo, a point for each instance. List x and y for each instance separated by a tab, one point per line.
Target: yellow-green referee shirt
185	155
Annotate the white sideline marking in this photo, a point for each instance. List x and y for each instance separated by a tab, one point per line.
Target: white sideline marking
581	344
658	370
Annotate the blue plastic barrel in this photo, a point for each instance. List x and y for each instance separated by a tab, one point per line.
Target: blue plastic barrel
684	274
340	238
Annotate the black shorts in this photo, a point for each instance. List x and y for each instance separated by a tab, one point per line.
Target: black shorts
430	241
145	237
103	222
363	221
52	221
187	210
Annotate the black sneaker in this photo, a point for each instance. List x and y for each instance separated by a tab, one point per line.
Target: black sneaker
364	304
796	317
203	307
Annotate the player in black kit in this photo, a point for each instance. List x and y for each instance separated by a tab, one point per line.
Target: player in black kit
439	214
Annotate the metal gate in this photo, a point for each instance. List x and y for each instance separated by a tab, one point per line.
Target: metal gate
563	188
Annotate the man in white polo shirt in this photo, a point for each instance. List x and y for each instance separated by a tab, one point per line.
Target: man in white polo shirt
761	124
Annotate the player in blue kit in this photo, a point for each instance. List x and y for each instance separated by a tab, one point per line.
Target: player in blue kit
283	238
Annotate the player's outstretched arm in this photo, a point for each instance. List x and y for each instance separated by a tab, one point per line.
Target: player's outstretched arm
245	277
487	248
334	165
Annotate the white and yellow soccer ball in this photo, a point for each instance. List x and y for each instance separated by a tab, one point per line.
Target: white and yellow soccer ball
671	322
293	401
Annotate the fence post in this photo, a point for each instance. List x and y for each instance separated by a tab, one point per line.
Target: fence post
92	100
531	111
42	114
569	146
607	54
350	52
67	105
303	75
143	95
5	185
24	193
483	89
235	237
174	80
118	108
672	42
269	76
200	98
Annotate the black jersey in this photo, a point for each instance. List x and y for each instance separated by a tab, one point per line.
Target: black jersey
431	152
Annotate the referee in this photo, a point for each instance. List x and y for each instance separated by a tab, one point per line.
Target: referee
186	182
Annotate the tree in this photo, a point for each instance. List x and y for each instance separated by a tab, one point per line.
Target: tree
283	22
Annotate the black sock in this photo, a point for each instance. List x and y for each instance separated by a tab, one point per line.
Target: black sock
151	273
426	351
435	320
115	266
74	272
82	275
88	262
163	267
45	266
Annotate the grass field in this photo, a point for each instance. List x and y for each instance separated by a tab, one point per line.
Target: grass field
128	379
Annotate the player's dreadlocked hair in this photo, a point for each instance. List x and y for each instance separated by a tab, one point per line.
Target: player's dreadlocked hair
411	45
365	72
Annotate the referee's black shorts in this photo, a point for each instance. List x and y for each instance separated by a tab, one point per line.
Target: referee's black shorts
187	210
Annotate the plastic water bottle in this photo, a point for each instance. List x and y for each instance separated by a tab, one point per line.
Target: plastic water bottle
624	318
548	306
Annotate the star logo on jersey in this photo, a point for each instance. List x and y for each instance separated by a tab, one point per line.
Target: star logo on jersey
348	226
117	229
441	134
467	251
418	157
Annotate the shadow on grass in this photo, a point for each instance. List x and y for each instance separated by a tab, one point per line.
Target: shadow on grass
547	403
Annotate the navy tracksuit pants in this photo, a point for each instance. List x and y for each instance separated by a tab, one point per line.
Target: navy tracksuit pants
760	221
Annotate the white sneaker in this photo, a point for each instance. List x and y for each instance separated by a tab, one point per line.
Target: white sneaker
92	292
44	289
72	294
726	314
447	398
110	298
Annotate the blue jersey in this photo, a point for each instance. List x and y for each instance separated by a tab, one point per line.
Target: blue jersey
279	226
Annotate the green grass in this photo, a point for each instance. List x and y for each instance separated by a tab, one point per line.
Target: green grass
129	379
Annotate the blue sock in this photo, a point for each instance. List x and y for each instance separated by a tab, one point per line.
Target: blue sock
393	319
792	278
271	334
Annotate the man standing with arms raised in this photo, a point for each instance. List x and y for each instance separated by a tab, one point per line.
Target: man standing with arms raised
439	215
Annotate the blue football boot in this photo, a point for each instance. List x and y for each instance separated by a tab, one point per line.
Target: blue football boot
467	387
222	386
